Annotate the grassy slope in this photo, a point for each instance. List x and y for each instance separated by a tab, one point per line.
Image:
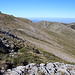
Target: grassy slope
55	38
31	56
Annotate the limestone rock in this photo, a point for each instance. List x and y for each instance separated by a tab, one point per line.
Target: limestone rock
44	69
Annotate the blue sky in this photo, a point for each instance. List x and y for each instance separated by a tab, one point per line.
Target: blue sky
39	8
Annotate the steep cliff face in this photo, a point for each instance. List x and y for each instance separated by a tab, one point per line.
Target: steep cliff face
52	37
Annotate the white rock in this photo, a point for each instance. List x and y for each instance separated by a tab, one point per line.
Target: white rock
49	69
42	64
9	70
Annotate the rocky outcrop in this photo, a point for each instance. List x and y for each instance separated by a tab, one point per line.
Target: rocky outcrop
9	45
9	42
43	69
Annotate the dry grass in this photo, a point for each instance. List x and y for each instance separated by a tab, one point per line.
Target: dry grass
52	37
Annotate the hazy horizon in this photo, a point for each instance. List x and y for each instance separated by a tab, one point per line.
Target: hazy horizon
63	20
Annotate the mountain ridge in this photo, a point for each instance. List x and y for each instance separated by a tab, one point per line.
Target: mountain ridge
56	38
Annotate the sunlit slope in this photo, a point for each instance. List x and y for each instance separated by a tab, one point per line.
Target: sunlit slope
52	37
